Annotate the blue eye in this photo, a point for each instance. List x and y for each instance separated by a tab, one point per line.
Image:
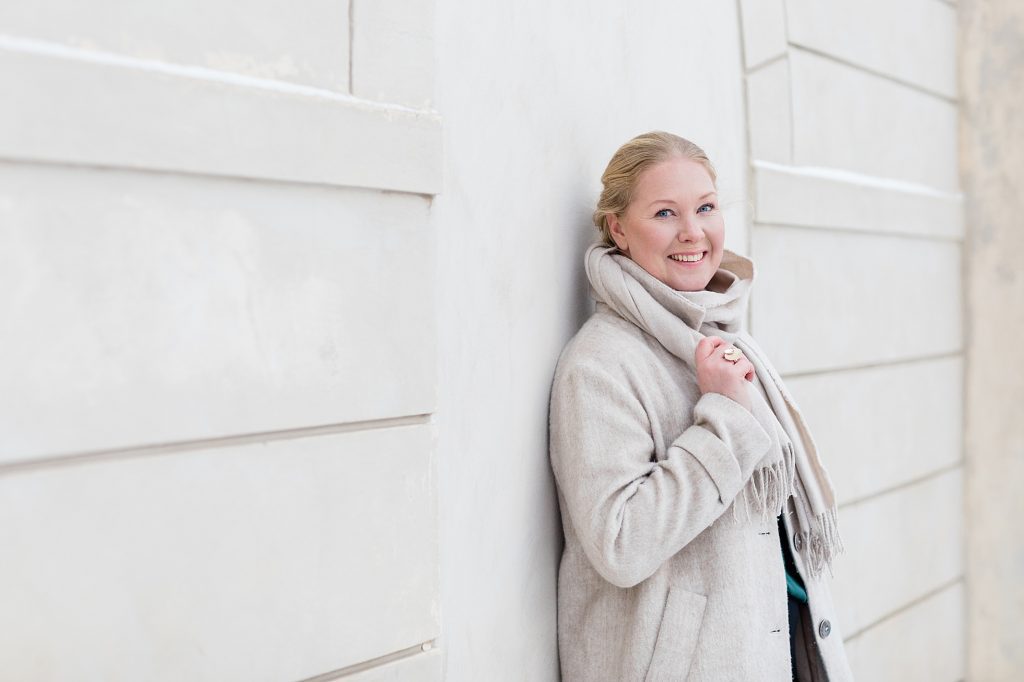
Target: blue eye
663	213
709	206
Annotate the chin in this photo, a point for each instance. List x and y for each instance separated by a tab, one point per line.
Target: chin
682	286
690	283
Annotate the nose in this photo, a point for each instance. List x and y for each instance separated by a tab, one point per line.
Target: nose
689	230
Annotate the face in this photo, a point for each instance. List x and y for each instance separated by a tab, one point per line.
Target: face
673	215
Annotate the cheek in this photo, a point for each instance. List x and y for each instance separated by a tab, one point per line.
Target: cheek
644	236
717	235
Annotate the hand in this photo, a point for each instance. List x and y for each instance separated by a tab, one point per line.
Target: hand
715	374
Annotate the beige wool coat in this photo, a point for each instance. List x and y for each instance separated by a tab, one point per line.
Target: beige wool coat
658	580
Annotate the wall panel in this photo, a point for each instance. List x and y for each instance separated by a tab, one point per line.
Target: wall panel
267	561
828	299
261	41
393	51
881	427
912	40
426	667
155	117
923	643
149	308
818	197
844	117
899	547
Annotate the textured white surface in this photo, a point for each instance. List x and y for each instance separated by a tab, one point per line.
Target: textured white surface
764	34
151	308
190	119
274	561
425	667
846	118
924	643
175	307
393	51
261	41
822	197
859	244
880	427
899	547
771	117
536	97
992	145
912	40
184	257
827	299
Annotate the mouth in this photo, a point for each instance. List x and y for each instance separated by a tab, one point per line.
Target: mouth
688	260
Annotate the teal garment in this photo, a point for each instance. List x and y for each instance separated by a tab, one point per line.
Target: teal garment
794	589
794	586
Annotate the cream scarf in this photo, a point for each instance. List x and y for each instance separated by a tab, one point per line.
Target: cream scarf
678	320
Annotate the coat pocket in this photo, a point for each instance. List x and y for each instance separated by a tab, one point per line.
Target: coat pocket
677	635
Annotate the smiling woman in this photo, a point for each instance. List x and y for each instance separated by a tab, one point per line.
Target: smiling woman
672	227
666	415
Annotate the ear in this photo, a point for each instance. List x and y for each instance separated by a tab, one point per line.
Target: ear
618	234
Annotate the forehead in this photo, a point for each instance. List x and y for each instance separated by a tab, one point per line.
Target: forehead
676	178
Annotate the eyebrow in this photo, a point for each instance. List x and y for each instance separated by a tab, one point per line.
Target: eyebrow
671	201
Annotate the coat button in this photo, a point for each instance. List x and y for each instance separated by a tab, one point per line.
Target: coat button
798	541
824	628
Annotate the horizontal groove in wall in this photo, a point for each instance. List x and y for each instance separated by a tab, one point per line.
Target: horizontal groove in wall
40	47
935	473
165	117
766	63
907	606
365	666
206	177
874	365
859	231
878	74
68	459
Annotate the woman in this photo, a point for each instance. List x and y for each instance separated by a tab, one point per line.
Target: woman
664	415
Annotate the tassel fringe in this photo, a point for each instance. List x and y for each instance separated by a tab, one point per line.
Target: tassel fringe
766	493
822	544
769	487
678	320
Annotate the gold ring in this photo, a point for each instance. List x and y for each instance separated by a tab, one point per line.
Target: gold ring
733	354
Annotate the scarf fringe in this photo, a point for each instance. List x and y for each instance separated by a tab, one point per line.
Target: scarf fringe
822	543
766	493
678	320
768	488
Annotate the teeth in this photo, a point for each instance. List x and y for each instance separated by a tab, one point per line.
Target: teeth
687	259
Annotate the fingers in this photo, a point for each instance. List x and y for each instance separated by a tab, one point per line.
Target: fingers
706	346
746	368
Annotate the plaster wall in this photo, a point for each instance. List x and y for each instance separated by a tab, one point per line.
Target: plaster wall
992	171
219	359
536	97
858	229
286	313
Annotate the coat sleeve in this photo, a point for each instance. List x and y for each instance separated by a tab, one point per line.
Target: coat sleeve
630	512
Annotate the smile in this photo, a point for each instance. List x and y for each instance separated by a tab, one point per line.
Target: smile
695	258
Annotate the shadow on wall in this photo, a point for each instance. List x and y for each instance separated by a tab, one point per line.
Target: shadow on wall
583	305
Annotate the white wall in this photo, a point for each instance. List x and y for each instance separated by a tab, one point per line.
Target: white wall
219	358
858	230
857	233
285	292
536	96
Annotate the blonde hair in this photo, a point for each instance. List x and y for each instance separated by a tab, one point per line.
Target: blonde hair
629	161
